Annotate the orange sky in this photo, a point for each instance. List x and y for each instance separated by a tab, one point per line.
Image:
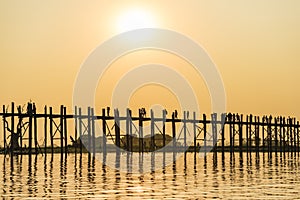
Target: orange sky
255	45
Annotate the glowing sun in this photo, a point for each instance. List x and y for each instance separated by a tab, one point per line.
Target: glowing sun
135	19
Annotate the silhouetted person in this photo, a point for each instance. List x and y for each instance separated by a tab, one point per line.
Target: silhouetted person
176	114
144	112
229	116
108	110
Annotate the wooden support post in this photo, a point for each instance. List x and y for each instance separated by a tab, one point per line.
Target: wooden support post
223	120
65	130
231	132
280	134
29	110
164	127
45	130
214	130
174	132
257	134
184	130
295	136
204	134
284	134
152	146
195	132
298	138
89	130
61	129
93	132
12	135
276	134
130	131
117	129
80	129
263	133
128	134
270	135
19	127
35	130
141	139
291	134
4	128
76	129
241	134
51	129
250	133
104	132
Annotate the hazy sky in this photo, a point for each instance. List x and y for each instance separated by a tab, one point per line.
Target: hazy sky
255	45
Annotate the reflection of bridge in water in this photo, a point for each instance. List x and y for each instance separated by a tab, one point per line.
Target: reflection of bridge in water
226	132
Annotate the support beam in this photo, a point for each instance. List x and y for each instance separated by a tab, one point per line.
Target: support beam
61	129
45	130
152	146
104	132
51	130
65	130
93	132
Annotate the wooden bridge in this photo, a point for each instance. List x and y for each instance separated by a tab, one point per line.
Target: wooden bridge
22	132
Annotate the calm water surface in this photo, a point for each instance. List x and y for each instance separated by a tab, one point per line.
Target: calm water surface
151	176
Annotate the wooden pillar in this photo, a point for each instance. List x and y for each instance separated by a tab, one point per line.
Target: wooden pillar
76	129
214	130
295	136
128	130
80	129
29	110
231	132
257	134
141	139
104	132
284	134
35	129
117	129
223	120
4	128
65	130
89	130
263	132
184	130
204	134
45	130
270	135
280	134
61	129
276	134
195	132
250	133
164	126
291	134
51	129
241	134
174	132
12	137
298	138
19	127
152	131
93	132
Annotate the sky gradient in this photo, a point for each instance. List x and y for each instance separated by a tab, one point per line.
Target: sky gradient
255	45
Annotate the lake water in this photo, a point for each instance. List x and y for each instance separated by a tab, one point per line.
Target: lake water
151	176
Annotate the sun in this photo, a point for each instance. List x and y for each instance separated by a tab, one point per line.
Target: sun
135	19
